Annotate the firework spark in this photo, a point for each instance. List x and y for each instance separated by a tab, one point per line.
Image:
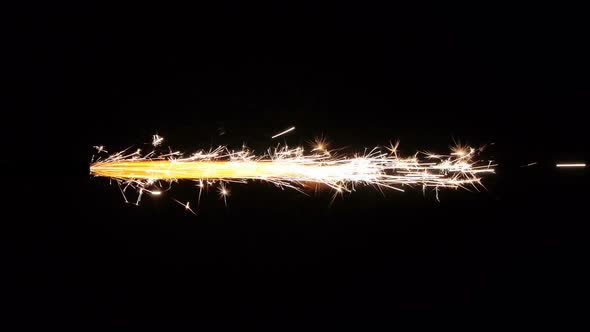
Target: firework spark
157	140
293	168
283	132
570	165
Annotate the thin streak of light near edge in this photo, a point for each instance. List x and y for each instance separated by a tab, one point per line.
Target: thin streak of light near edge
570	165
283	132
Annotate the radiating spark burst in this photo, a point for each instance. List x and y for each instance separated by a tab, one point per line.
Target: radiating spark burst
294	168
223	193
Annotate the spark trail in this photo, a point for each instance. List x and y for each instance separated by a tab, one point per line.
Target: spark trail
380	167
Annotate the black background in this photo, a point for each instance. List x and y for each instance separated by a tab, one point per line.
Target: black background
78	74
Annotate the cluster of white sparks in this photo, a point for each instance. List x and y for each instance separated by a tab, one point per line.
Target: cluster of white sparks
287	167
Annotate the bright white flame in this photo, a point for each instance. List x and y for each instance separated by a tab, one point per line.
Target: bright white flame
571	165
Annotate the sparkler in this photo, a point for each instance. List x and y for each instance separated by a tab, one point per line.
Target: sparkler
380	167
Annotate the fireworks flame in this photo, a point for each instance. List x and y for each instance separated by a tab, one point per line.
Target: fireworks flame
293	168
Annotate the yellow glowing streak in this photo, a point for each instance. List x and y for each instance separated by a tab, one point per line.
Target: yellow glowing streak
335	173
230	170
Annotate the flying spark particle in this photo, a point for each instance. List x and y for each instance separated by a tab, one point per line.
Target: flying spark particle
100	148
186	206
157	140
223	193
283	132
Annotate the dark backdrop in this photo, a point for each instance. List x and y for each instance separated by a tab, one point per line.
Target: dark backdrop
82	74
